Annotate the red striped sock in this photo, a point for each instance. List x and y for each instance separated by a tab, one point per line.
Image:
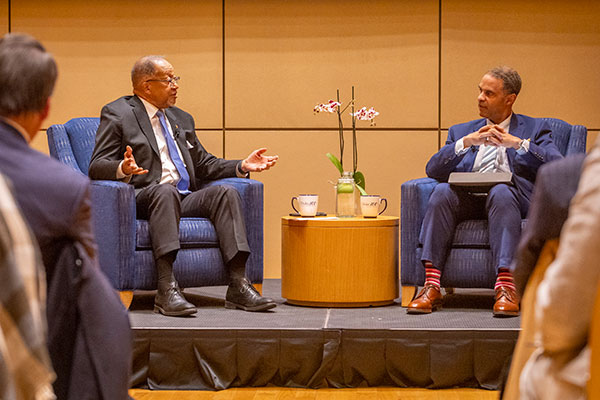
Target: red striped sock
505	279
432	275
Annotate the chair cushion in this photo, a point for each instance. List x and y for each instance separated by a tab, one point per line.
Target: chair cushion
193	233
472	233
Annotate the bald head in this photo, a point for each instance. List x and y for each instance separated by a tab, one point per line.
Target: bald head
145	68
154	80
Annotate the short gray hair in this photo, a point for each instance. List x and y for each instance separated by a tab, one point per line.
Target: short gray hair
27	75
143	68
509	77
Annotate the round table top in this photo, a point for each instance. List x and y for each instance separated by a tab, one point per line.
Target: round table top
332	220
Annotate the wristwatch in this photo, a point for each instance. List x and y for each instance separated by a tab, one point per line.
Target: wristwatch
522	143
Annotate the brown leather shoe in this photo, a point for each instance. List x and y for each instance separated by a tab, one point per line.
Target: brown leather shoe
429	299
507	303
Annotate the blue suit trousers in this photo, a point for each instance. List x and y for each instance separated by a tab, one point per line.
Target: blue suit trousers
449	205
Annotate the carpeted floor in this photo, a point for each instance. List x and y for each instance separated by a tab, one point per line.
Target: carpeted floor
463	310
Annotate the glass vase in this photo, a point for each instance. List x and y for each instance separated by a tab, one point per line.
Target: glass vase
345	198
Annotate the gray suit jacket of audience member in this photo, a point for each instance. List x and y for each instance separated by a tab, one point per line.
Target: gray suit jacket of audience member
555	186
55	200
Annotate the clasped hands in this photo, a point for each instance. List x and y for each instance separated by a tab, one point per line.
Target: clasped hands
255	162
492	135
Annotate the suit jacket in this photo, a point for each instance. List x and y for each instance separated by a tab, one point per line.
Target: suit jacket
555	186
55	199
125	122
523	166
90	341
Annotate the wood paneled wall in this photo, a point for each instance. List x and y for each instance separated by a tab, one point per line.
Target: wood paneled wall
253	71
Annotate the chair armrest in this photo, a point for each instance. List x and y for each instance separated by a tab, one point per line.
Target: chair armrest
414	197
59	146
113	214
251	192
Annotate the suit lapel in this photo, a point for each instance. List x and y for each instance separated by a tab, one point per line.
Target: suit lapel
179	135
142	117
516	126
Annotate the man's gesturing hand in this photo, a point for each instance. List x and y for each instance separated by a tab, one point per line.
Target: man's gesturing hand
129	166
257	162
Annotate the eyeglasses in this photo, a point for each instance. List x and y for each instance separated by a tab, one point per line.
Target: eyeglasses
170	81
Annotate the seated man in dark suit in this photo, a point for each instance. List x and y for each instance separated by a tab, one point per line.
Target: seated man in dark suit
500	142
169	163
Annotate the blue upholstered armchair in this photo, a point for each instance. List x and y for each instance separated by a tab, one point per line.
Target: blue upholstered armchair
124	249
469	263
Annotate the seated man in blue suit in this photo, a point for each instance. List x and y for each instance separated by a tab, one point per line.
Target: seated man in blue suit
168	165
499	142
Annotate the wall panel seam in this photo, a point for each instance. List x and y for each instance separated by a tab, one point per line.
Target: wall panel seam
439	74
223	130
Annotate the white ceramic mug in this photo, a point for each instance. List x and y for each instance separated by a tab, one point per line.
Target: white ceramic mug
307	204
370	205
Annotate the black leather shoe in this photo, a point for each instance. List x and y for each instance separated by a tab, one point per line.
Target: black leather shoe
169	301
241	294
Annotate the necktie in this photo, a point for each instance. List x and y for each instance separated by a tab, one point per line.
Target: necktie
488	161
184	181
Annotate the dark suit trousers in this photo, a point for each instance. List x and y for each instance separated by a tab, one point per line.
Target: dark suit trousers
448	206
163	206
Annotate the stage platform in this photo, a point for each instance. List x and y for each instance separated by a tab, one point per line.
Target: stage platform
460	346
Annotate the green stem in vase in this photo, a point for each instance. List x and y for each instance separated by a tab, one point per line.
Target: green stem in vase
354	147
341	133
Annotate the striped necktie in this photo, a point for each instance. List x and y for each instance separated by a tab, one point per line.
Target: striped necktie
184	182
488	161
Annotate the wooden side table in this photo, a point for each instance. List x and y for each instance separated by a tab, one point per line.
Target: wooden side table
345	262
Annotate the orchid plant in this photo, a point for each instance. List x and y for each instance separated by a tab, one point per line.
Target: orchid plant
363	114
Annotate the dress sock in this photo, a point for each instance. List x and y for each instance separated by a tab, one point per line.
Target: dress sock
237	267
164	268
505	278
432	275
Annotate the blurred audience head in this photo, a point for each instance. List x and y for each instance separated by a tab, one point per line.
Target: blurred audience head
27	76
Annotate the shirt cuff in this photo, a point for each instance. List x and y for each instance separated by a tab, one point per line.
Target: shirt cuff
459	147
524	147
120	175
239	172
